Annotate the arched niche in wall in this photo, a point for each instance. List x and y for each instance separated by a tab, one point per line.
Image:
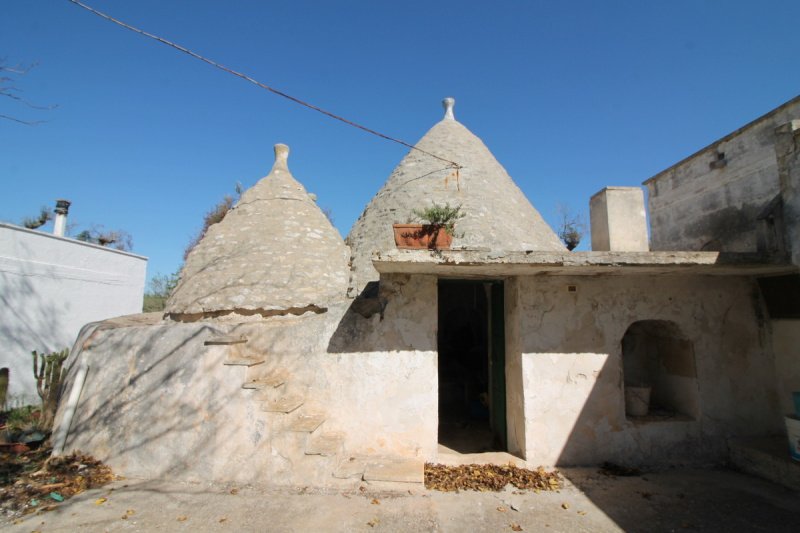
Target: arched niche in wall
656	354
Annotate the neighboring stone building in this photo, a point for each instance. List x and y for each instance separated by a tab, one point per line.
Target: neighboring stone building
742	194
278	362
726	197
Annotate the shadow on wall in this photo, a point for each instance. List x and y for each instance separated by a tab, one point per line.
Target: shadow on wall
644	404
397	314
31	321
161	392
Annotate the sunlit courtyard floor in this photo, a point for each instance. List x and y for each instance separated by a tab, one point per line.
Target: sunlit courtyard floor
673	500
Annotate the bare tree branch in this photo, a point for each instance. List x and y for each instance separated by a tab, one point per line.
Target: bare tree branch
26	122
9	89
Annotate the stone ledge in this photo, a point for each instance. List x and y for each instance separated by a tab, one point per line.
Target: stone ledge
504	263
766	457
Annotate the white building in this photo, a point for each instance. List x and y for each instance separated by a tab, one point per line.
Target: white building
50	287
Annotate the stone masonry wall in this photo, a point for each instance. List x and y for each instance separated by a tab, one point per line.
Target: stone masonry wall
572	368
159	402
710	200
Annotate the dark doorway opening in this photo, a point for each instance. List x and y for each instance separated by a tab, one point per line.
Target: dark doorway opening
471	344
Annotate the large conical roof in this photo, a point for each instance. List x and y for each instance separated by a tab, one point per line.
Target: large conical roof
274	252
498	216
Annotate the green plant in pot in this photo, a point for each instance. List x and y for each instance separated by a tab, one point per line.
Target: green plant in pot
436	231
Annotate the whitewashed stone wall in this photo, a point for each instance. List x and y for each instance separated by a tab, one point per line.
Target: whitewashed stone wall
158	402
707	203
572	374
49	288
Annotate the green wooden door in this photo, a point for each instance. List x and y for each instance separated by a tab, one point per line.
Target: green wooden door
497	366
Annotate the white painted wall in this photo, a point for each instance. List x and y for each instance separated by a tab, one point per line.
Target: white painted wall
49	288
572	369
157	401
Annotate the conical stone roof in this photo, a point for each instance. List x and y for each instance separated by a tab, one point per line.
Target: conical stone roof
275	252
498	216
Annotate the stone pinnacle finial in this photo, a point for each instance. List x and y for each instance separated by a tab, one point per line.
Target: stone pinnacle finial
448	104
281	157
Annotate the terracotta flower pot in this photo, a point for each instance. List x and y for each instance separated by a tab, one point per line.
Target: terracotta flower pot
430	236
14	447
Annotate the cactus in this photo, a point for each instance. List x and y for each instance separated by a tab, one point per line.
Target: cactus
48	373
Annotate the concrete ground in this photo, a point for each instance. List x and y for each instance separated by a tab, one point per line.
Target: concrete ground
674	500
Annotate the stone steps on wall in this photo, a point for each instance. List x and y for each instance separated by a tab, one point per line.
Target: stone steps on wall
383	470
225	340
271	380
284	404
395	469
350	467
276	395
242	360
326	444
306	422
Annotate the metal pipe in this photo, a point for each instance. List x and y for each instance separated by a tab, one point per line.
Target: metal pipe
60	437
60	225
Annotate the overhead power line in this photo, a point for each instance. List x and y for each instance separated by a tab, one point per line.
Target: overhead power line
258	83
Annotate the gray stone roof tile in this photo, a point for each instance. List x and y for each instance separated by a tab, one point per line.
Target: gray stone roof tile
274	252
498	216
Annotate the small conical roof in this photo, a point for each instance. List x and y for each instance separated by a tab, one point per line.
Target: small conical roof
498	216
275	251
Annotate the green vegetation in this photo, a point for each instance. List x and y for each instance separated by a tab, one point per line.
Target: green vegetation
571	229
48	372
443	216
119	239
158	290
212	217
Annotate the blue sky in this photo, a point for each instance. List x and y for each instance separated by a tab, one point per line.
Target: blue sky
569	96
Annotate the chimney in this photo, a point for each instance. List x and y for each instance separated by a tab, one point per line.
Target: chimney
62	208
618	219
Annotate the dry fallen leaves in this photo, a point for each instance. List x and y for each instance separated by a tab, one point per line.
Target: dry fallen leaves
33	480
488	477
376	501
183	518
516	527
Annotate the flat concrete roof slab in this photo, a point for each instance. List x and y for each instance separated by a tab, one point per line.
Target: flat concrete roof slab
498	263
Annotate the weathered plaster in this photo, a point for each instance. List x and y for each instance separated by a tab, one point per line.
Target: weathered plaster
711	200
574	407
515	387
618	220
159	402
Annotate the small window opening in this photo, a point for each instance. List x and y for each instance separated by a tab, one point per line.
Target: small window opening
660	374
719	161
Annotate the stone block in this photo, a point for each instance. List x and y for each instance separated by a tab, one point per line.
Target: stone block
618	220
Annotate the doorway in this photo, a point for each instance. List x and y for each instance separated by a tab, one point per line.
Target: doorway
471	345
